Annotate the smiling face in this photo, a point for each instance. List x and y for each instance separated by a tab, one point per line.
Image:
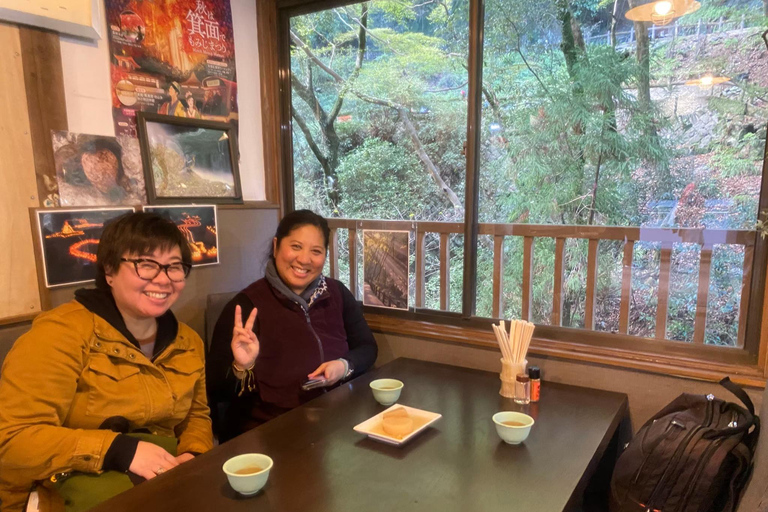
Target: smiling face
300	257
138	298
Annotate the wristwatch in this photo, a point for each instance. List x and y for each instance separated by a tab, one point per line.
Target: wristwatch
350	370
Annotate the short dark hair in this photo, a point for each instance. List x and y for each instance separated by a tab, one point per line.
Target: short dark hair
297	219
136	233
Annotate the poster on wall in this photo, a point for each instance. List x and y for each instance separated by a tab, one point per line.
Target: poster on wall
172	57
69	239
385	268
198	225
93	170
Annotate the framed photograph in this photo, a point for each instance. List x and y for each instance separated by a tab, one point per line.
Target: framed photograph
68	239
189	160
385	268
79	18
92	170
198	224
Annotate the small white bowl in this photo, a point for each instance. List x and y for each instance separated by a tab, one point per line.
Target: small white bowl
249	483
513	434
386	391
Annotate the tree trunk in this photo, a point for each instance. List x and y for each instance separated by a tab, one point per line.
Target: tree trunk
614	20
328	156
568	44
643	60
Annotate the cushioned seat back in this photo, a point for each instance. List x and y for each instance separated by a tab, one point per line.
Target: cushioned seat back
755	497
8	336
214	305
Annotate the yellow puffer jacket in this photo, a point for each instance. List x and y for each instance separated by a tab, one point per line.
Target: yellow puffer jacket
72	371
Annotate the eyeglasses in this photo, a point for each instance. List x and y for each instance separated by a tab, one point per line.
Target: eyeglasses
149	269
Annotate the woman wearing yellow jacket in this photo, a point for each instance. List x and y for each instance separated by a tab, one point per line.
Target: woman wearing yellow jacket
111	362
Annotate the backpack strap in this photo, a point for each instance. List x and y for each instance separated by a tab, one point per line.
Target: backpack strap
739	393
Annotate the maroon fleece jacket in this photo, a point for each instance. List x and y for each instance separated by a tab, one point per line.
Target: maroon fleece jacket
293	343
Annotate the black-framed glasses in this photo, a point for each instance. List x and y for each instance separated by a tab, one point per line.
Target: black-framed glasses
149	269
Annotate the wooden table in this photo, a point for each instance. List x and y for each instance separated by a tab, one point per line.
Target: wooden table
458	464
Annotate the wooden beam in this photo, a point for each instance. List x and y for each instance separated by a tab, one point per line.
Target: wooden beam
557	287
420	280
333	253
626	286
445	272
589	306
498	277
527	294
665	264
46	104
702	295
746	280
353	262
268	49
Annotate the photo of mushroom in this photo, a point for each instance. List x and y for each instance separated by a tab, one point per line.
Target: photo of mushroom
93	170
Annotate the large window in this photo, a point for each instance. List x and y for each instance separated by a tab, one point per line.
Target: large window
618	153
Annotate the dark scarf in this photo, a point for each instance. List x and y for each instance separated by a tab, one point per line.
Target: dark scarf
315	289
101	302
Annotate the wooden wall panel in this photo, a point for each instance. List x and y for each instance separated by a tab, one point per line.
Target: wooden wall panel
18	187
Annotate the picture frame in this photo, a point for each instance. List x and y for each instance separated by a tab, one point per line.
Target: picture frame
386	282
199	224
188	160
68	239
79	18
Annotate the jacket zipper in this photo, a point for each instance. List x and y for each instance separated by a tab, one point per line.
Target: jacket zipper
697	472
673	423
317	338
679	453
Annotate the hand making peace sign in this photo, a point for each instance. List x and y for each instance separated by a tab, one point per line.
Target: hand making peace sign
245	344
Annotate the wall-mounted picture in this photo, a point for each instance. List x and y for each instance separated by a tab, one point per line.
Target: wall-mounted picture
92	170
189	160
198	224
385	269
69	239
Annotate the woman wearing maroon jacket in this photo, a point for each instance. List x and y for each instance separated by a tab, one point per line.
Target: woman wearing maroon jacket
292	326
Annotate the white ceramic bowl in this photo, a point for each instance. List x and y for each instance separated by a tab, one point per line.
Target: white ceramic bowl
386	391
249	483
513	434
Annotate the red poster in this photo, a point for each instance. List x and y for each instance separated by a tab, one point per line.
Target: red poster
174	57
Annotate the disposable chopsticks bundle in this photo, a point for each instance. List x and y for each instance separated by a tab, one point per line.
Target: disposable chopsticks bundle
514	345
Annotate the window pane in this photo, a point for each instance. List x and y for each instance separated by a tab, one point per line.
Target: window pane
380	117
379	110
658	125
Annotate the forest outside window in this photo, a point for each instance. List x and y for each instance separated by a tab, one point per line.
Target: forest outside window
620	160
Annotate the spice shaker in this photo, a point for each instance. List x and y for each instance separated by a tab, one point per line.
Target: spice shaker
535	375
522	389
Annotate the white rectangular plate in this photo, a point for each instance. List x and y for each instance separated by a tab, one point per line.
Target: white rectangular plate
421	420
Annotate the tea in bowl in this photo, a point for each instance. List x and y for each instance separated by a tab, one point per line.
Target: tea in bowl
386	391
512	427
248	473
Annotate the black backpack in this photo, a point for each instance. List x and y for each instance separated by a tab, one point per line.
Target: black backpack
695	455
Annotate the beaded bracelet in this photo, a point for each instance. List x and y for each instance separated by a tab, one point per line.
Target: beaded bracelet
247	379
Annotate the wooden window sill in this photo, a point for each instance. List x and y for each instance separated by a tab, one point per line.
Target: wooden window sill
742	368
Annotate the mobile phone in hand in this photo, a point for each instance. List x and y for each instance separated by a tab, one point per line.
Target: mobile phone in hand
313	383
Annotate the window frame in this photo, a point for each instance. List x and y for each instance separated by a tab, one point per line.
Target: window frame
748	365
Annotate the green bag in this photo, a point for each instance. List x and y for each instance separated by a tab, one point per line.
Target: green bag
83	491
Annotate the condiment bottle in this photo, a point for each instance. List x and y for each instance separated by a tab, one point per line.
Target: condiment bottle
522	389
535	375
